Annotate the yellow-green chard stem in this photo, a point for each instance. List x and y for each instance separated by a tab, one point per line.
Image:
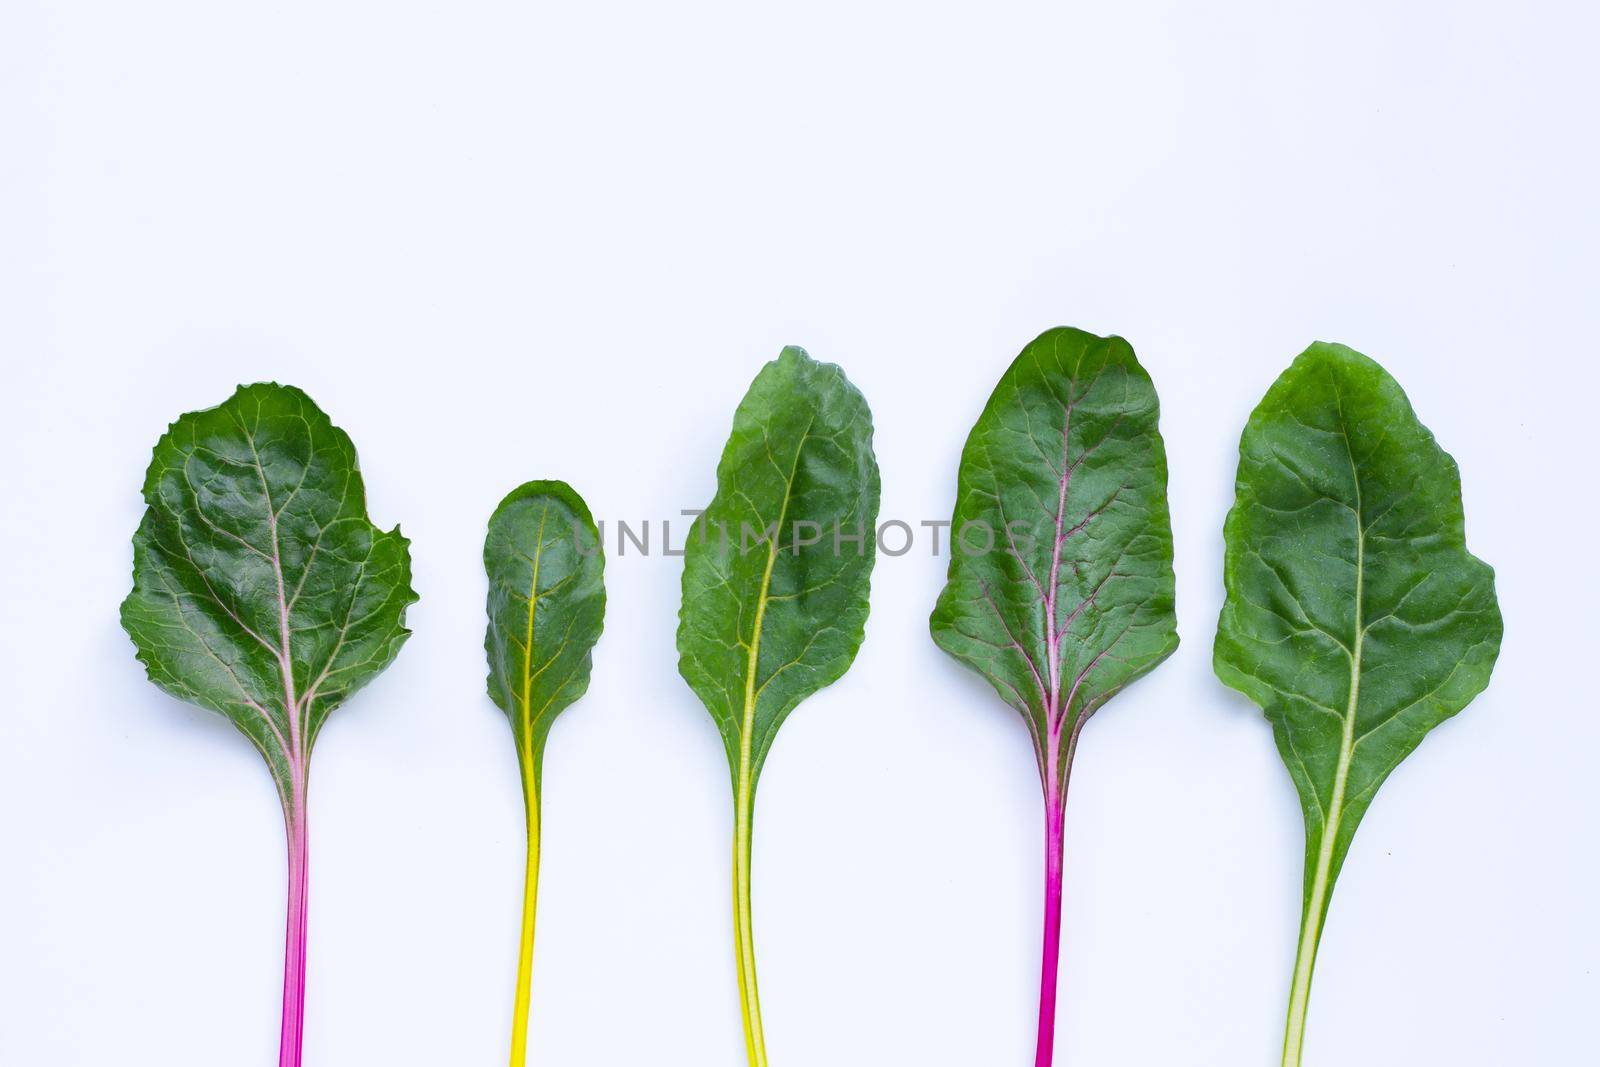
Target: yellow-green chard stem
744	934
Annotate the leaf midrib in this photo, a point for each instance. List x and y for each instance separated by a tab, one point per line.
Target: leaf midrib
297	740
527	654
752	662
1316	902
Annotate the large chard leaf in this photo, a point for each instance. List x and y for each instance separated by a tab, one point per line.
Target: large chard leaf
1060	588
775	584
262	591
1355	616
547	603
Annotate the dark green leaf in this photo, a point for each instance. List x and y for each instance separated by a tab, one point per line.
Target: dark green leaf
775	584
1064	474
261	589
547	603
767	621
1060	589
1355	616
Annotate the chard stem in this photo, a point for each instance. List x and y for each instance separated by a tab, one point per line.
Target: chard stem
530	901
294	955
1055	808
1300	991
743	933
1305	961
1320	877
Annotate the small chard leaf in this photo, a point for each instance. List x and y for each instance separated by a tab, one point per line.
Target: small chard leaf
547	602
1060	587
1355	616
262	591
775	584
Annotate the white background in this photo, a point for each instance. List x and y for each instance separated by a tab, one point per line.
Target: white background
500	241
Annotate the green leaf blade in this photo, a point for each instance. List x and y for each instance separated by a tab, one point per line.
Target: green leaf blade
1336	468
546	605
1066	471
261	590
1355	616
800	452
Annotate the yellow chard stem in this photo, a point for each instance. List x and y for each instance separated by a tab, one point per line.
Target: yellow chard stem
743	933
530	900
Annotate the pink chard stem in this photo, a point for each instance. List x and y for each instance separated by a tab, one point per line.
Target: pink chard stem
294	952
1055	809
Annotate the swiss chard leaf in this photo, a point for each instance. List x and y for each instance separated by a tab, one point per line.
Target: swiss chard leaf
546	608
1060	587
262	591
775	584
1355	616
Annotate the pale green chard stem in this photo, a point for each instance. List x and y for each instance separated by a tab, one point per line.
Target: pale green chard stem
1317	902
1322	877
1300	992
